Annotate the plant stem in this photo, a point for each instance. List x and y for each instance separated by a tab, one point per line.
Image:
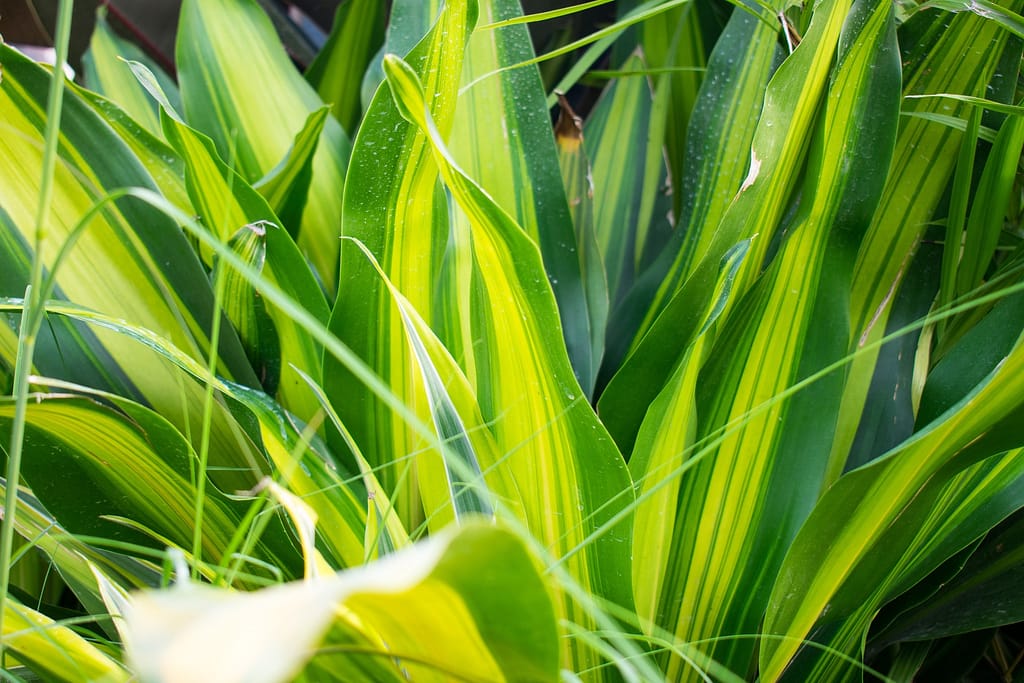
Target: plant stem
33	313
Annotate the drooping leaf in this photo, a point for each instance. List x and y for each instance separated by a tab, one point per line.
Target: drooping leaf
159	159
78	563
466	493
305	467
88	462
1004	16
983	593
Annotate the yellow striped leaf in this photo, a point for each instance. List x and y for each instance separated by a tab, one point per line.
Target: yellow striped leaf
221	44
476	591
571	477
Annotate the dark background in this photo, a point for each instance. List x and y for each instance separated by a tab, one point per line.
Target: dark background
152	23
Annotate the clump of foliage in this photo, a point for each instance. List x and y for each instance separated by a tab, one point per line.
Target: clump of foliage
393	381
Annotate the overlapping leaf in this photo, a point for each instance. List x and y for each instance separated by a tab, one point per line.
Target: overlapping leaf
130	261
521	174
885	505
487	620
304	466
394	208
253	120
761	469
529	383
226	204
926	152
720	139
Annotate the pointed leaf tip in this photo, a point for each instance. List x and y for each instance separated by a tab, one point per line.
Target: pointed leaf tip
406	89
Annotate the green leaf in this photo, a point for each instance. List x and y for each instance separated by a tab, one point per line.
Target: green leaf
477	592
408	23
926	153
394	207
122	257
761	457
226	204
942	518
522	174
850	575
107	74
678	42
579	188
984	593
303	465
666	441
466	492
159	159
54	650
990	203
337	72
245	308
80	355
527	383
252	121
721	131
88	462
286	186
615	139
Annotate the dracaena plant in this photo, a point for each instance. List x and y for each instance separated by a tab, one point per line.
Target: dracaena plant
392	379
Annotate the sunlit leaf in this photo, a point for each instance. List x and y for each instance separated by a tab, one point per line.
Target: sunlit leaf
488	620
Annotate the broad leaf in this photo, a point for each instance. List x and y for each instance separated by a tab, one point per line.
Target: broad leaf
88	463
722	130
528	383
128	259
882	503
477	592
522	174
227	204
926	152
759	466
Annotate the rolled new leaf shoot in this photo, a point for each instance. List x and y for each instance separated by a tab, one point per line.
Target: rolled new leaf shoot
245	308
